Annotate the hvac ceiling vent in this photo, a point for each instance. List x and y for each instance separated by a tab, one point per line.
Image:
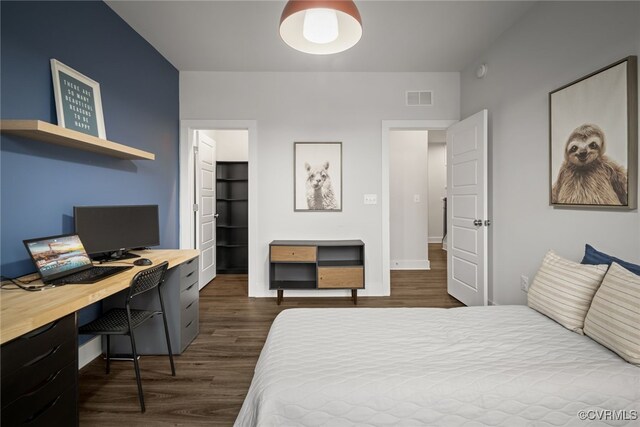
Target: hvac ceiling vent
419	98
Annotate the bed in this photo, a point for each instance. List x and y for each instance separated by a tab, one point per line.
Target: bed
499	366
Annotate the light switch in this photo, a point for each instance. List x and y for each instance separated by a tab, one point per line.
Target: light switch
370	199
416	198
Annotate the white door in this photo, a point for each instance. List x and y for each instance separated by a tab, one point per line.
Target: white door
467	220
206	206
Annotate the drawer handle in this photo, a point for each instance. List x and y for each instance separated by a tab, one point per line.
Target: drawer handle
42	410
188	324
43	356
190	261
189	306
41	330
192	285
42	384
190	274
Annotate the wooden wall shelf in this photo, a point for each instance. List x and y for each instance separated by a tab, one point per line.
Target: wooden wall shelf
47	132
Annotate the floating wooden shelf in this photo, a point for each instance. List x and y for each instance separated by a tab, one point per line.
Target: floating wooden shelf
46	132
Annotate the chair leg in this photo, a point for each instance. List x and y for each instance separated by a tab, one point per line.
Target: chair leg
107	352
166	333
135	362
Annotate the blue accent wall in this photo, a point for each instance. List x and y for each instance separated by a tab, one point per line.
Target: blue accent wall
42	182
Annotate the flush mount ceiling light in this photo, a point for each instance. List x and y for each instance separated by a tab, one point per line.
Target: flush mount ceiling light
320	27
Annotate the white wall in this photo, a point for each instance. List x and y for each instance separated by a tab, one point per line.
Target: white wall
437	190
231	145
288	107
408	178
554	44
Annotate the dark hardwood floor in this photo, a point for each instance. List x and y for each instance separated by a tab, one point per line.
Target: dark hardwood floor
213	375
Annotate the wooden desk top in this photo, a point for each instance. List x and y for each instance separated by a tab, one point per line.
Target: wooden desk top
23	311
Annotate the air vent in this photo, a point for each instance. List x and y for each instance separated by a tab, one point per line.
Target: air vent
419	98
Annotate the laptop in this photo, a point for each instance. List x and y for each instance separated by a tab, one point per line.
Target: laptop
63	259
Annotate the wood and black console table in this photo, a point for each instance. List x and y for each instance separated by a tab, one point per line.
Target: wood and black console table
316	264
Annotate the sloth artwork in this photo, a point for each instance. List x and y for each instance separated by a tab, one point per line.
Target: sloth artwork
587	176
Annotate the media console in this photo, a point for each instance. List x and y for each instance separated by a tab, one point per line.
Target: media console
316	264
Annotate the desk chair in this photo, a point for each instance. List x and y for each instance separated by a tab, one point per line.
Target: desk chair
123	321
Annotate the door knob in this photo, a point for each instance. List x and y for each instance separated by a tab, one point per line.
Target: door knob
477	222
216	215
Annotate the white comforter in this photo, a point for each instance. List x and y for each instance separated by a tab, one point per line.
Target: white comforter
506	366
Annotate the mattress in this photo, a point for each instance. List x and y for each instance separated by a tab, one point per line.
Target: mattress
497	366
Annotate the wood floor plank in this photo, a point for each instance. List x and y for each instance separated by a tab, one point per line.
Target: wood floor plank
214	374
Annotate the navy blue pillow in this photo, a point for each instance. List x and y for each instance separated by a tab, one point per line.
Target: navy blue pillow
594	257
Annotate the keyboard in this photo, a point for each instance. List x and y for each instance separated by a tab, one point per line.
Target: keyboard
91	275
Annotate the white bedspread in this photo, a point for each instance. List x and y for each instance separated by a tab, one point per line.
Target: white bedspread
498	366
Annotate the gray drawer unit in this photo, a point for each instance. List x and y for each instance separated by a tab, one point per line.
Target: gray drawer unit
40	376
180	293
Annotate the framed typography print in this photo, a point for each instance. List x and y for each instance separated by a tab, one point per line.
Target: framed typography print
78	101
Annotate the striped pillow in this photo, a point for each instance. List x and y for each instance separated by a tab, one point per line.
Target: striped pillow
614	317
563	290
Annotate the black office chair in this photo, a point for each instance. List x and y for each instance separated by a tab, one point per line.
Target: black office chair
123	321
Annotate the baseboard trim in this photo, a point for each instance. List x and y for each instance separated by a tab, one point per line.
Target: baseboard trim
410	264
436	239
89	351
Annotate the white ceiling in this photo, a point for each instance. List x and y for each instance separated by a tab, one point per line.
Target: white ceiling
243	35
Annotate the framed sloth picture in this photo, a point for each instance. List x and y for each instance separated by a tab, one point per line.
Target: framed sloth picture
317	176
593	132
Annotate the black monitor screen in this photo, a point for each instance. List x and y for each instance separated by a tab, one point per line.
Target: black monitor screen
112	228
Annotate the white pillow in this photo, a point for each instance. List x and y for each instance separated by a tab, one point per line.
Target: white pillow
614	317
563	290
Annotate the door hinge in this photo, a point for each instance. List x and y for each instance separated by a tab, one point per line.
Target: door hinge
195	150
195	207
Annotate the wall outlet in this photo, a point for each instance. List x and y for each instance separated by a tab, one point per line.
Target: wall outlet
524	283
370	199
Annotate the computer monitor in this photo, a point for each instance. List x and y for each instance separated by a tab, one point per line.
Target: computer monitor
109	232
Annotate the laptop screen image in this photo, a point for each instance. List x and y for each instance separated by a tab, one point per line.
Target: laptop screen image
58	256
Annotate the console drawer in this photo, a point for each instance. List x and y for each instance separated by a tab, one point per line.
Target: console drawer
294	253
39	345
189	331
33	377
189	291
52	405
341	277
189	272
188	297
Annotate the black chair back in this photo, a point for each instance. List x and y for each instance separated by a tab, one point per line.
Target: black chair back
147	280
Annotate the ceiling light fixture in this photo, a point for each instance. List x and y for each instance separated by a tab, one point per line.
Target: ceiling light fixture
321	27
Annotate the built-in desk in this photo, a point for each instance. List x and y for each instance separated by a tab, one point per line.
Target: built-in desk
38	333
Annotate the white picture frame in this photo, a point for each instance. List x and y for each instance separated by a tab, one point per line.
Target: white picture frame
317	177
78	100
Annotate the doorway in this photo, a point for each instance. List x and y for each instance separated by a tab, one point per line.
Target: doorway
467	211
218	193
417	204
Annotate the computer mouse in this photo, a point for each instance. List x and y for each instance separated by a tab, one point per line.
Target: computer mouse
142	261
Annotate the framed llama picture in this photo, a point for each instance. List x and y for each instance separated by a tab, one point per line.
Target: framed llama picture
593	134
317	176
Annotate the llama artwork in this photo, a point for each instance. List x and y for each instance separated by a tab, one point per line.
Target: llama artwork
318	177
320	195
